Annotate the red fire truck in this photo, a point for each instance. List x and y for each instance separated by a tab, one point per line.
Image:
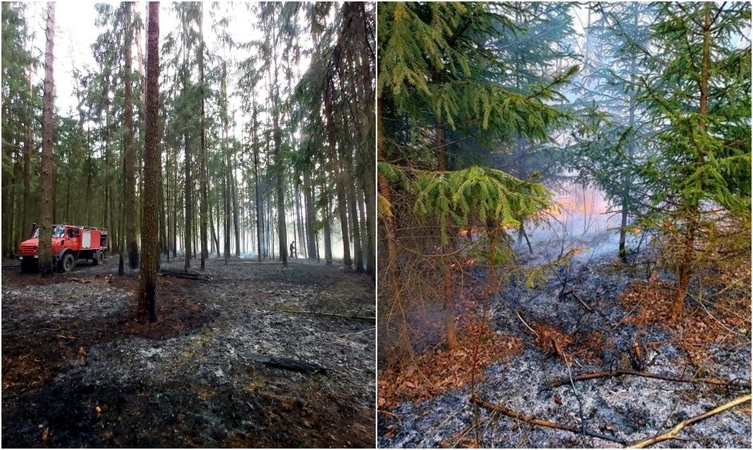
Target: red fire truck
70	243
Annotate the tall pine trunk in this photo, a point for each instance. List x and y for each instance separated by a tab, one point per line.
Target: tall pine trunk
310	215
363	226
352	202
327	231
130	150
9	183
188	201
257	196
301	247
176	202
339	178
28	150
203	175
152	174
282	235
236	214
45	224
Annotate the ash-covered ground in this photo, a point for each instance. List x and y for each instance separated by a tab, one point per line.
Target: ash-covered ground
596	313
248	355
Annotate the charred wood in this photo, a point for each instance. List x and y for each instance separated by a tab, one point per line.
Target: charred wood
541	422
591	376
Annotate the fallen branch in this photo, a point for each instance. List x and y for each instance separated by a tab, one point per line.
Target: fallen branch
541	422
585	305
672	434
186	275
295	365
591	376
339	316
389	414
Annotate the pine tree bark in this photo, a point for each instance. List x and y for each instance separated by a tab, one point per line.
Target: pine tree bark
301	247
327	229
339	179
257	196
28	150
45	225
152	174
10	149
188	199
203	175
364	225
130	149
236	215
363	71
310	215
357	244
282	235
369	193
176	203
188	189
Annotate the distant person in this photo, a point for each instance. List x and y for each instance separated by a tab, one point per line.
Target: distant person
292	249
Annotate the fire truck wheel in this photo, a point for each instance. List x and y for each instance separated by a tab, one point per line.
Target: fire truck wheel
99	258
68	263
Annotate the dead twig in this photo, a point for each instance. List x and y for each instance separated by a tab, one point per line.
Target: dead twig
672	434
559	351
575	392
527	326
541	422
585	305
591	376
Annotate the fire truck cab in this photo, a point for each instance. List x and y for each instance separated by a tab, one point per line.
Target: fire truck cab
70	243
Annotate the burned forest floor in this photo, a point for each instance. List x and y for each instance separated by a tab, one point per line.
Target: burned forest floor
589	357
245	354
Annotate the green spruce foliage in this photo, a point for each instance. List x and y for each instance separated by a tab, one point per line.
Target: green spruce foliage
698	93
445	79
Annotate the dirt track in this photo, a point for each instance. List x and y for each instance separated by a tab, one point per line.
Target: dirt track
253	355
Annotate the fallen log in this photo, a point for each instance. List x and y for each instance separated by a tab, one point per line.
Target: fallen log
186	275
591	376
672	434
541	422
